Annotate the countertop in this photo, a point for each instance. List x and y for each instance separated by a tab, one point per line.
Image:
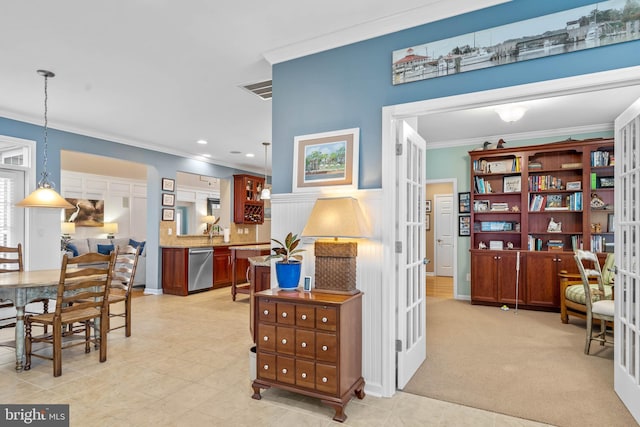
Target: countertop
260	261
240	246
256	247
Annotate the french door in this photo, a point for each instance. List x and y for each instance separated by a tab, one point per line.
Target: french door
410	252
11	218
627	242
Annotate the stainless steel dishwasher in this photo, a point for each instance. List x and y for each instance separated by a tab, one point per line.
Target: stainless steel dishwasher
200	269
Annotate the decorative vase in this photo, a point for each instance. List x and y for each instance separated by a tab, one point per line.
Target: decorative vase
288	275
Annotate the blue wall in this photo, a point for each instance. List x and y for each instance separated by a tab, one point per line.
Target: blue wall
348	86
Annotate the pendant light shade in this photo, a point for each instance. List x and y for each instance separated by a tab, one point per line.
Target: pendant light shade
45	196
265	194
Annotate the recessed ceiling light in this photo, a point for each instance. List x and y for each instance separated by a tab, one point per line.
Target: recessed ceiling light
202	141
206	155
250	155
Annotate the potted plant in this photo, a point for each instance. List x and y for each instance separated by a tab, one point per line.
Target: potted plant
289	265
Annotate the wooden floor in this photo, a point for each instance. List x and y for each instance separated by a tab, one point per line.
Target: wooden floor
440	286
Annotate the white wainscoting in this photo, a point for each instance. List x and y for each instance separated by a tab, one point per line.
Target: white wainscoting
290	213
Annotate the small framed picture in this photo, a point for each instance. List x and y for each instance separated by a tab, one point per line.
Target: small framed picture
464	225
168	184
427	221
168	199
464	202
168	214
481	206
607	182
511	184
427	206
574	185
307	283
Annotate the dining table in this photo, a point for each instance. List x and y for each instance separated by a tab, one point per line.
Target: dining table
22	287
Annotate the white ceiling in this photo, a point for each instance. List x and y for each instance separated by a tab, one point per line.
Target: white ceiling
162	74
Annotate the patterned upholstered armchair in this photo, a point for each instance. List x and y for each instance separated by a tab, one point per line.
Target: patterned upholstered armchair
572	297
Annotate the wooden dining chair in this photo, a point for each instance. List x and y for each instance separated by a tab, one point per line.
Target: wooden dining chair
11	261
124	272
82	297
597	306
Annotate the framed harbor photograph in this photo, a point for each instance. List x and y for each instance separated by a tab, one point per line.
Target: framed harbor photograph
585	27
464	202
328	159
464	225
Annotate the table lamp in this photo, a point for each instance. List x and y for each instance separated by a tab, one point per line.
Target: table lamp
334	218
210	220
111	228
67	229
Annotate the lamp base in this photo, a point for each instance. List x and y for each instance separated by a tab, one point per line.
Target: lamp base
336	267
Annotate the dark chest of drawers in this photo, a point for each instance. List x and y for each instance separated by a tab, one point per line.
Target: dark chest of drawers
310	343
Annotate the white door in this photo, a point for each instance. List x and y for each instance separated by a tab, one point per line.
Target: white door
627	241
444	229
410	252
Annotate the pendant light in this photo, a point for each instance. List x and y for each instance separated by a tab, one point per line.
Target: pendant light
45	196
266	193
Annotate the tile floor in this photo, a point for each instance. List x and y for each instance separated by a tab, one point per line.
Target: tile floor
186	364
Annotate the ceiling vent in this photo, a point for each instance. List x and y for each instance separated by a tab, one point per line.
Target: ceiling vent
262	89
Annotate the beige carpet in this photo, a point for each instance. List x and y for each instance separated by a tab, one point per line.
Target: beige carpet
528	365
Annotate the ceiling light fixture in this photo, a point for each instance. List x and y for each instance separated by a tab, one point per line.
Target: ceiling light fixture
202	141
511	113
45	196
266	193
250	155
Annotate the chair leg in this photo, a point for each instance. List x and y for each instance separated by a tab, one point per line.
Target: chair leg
57	349
127	316
589	326
27	345
603	331
87	336
45	310
103	336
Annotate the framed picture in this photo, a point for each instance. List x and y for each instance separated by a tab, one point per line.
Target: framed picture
574	185
481	205
464	225
427	206
511	184
168	214
168	184
168	199
427	221
85	212
464	202
607	182
323	160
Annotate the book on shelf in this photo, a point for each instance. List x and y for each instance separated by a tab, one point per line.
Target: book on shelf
599	158
576	165
499	207
576	242
536	202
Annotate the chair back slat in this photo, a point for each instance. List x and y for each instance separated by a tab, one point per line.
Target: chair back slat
589	268
85	287
124	270
11	259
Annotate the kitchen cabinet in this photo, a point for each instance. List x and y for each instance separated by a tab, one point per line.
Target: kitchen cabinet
310	343
175	270
222	266
240	266
248	208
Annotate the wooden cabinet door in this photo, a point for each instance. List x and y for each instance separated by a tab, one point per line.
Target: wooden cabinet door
221	267
484	287
175	271
508	273
542	279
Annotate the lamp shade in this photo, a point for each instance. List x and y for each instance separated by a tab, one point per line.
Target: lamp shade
209	219
68	228
43	197
111	227
337	217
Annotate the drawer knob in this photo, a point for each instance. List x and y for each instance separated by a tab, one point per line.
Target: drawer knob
284	314
303	317
325	348
324	320
266	367
284	340
303	345
284	370
266	312
266	338
304	375
324	379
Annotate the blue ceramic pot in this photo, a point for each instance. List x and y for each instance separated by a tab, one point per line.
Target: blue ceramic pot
288	275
